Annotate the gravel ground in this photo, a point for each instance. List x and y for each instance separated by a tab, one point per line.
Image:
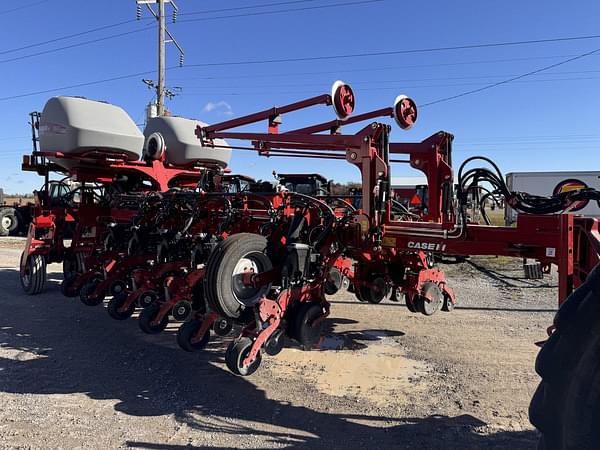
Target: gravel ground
72	377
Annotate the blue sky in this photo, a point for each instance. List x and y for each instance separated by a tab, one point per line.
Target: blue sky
549	121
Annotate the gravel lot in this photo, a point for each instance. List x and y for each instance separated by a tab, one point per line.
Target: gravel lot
70	376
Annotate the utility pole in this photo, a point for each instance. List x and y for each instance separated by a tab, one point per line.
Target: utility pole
163	32
160	89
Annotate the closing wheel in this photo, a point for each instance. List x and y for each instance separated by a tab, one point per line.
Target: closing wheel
116	303
69	265
425	306
33	274
86	294
410	300
224	287
117	287
397	295
307	326
222	326
355	288
237	351
275	343
186	334
448	305
148	317
376	291
147	298
182	311
334	281
66	287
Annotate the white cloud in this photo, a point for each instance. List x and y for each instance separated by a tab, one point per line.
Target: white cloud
221	107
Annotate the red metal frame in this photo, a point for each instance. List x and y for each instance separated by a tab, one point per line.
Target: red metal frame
547	238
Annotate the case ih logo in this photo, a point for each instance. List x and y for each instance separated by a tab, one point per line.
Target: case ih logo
431	246
572	185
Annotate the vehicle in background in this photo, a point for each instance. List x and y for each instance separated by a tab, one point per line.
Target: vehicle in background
404	190
14	217
552	183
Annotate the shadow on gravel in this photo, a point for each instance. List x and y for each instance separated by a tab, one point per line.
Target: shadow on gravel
62	346
504	279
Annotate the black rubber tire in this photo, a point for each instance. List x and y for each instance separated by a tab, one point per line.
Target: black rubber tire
8	215
218	284
35	277
69	265
187	331
222	327
86	290
410	303
334	281
236	353
397	296
356	289
117	302
305	332
373	295
117	287
148	315
448	306
147	298
566	405
182	311
65	286
429	308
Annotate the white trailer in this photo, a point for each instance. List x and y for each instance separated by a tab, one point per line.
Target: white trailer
549	183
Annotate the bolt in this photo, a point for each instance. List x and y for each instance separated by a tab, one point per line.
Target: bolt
366	139
353	155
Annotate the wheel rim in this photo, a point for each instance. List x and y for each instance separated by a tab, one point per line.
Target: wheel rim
378	289
26	275
7	222
222	325
247	295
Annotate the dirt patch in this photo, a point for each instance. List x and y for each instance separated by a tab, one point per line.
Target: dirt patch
377	373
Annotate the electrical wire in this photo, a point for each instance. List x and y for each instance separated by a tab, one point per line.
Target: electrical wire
264	13
68	36
399	52
18	8
384	68
79	44
510	80
113	36
239	8
382	83
89	83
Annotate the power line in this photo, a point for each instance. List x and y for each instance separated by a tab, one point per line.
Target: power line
125	22
19	58
510	80
89	83
211	89
92	41
410	80
8	11
370	69
264	13
398	52
239	8
68	36
229	93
